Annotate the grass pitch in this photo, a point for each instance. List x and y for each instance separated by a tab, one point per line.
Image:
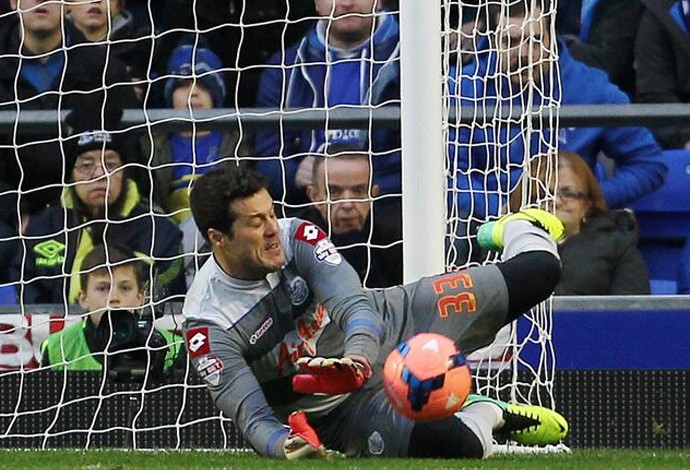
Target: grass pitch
170	460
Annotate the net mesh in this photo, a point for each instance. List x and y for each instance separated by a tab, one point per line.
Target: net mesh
243	55
501	58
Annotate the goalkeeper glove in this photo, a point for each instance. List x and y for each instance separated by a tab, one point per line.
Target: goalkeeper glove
302	440
332	376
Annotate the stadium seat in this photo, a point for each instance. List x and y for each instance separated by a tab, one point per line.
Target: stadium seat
7	295
666	212
664	223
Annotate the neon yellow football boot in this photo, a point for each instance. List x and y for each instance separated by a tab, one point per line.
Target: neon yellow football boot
490	234
527	424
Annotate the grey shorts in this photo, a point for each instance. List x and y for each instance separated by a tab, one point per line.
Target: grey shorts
467	306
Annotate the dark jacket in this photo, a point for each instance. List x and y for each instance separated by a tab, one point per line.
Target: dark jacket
131	44
607	40
376	263
39	164
603	258
9	244
50	252
662	57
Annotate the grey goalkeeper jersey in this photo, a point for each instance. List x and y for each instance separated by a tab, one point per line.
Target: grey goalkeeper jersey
244	337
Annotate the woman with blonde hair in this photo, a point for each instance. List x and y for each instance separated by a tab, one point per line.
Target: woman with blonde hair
599	253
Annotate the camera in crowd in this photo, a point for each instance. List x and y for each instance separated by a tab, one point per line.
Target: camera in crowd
134	350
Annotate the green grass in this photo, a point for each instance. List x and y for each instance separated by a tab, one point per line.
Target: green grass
651	459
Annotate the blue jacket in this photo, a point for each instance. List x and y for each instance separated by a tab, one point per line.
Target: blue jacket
297	80
484	165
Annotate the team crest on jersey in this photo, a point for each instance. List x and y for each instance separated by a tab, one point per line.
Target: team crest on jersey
326	252
309	233
198	342
375	443
209	369
298	291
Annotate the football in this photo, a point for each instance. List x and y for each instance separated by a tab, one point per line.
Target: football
426	378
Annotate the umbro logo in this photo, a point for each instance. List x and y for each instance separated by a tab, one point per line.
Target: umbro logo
49	253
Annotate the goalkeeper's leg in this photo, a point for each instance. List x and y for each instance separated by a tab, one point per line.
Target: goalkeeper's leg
531	265
467	434
470	306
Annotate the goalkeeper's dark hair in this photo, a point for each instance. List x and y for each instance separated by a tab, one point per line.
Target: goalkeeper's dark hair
106	258
516	8
215	191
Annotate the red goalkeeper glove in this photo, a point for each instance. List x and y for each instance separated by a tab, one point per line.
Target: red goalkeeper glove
332	376
302	441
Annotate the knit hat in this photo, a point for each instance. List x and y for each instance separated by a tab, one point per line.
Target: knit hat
206	70
87	129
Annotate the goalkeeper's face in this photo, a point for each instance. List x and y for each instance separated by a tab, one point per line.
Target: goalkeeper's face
524	49
253	248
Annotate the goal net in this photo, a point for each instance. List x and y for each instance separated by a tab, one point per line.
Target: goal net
501	57
278	85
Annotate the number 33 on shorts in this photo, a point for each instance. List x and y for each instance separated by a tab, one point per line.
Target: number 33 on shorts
463	302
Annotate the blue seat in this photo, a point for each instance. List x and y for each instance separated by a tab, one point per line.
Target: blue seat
7	295
664	223
665	213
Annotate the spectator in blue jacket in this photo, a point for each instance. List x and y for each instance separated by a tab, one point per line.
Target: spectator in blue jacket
487	161
350	57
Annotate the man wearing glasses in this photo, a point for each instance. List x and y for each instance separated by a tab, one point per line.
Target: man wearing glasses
99	206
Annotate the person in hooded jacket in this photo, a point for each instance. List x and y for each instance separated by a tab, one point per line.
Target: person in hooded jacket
349	57
487	161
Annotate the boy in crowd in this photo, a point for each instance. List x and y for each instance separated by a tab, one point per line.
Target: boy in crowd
112	279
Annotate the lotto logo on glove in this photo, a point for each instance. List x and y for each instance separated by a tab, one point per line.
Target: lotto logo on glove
302	441
332	376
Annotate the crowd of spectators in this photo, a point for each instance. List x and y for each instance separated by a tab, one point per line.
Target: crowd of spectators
86	181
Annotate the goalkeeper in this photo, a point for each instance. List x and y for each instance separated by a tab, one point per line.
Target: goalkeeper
280	330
